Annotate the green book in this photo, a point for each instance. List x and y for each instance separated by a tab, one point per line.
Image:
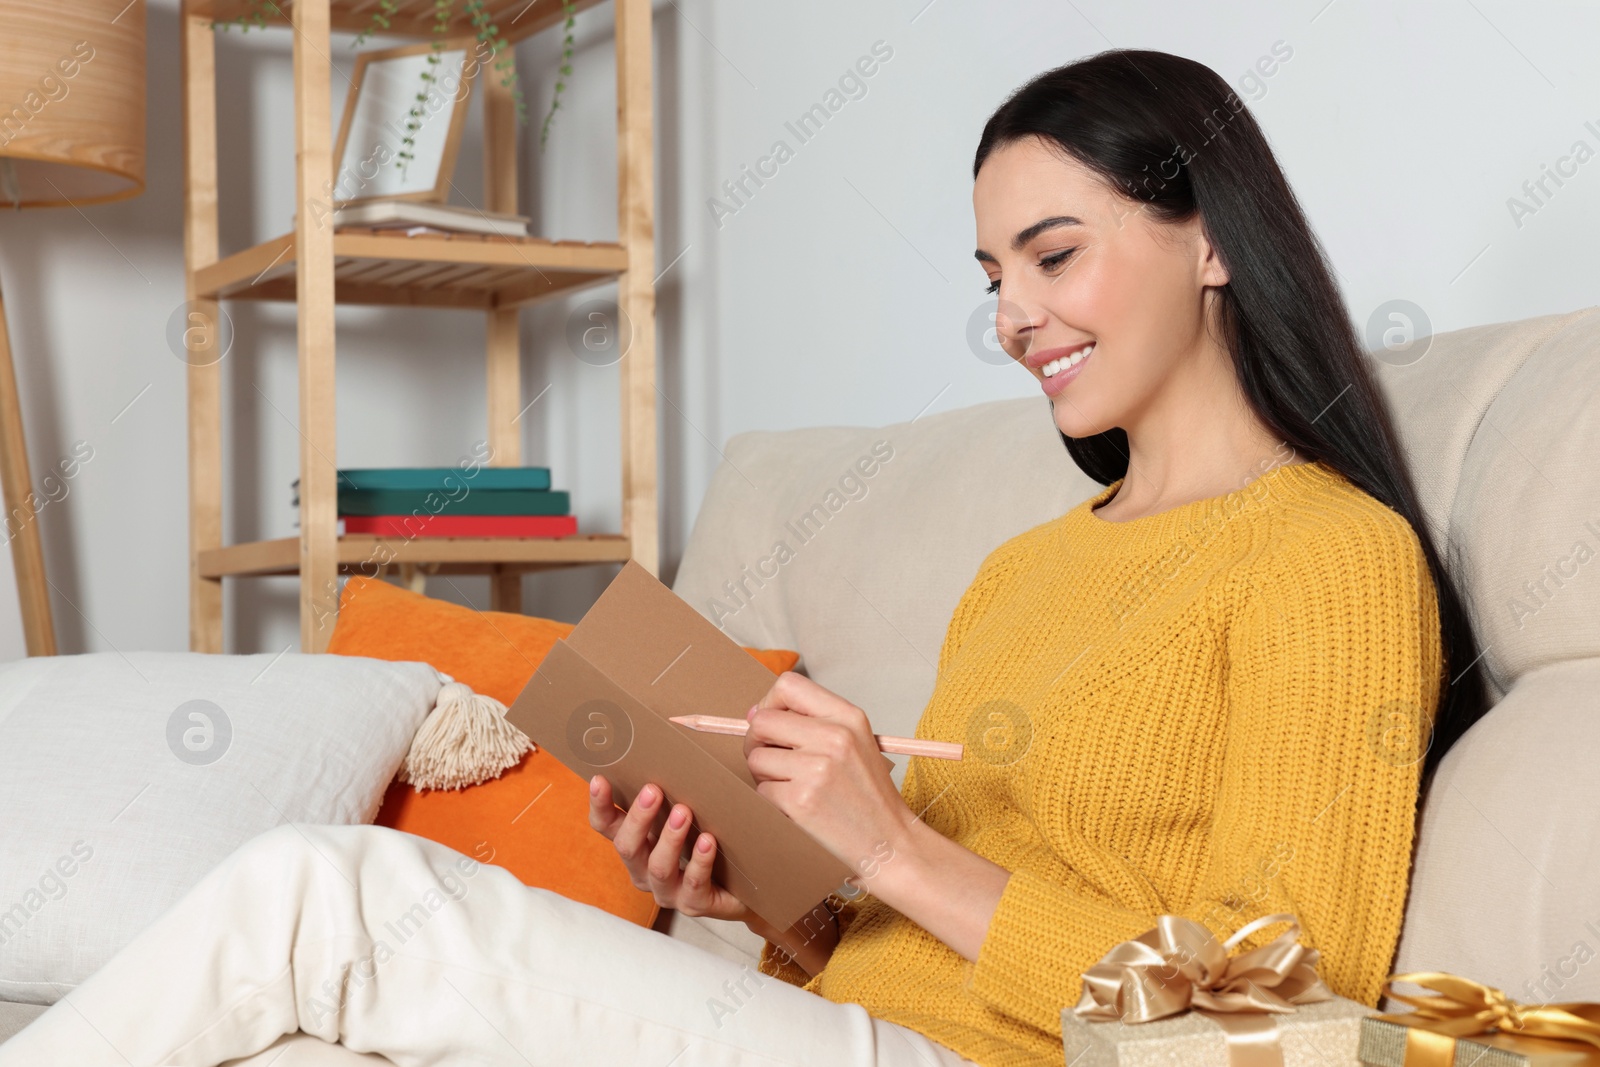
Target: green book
449	479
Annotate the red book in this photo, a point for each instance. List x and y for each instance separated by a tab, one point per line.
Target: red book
409	526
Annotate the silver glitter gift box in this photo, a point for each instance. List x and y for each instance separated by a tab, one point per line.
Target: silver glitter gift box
1324	1034
1383	1044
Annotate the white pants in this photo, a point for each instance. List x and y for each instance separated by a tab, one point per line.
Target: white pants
394	944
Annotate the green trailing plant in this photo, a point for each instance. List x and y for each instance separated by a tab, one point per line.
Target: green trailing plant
256	16
378	21
564	70
506	65
442	10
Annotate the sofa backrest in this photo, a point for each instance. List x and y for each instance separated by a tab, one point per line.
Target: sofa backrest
1501	426
853	545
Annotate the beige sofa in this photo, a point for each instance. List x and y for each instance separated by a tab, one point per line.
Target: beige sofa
853	546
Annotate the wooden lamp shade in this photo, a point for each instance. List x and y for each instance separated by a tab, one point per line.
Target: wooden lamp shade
71	101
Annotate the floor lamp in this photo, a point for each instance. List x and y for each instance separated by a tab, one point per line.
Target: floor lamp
71	134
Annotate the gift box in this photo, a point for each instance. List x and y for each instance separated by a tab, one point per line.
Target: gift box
1323	1034
1384	1043
1174	995
1461	1023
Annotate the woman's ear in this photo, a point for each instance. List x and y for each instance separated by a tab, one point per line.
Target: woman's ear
1213	272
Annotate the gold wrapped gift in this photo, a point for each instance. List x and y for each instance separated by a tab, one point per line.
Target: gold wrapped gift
1173	996
1471	1025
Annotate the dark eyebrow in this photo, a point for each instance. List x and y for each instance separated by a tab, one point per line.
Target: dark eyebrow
1026	235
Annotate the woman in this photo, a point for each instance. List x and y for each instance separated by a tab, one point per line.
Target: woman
1200	692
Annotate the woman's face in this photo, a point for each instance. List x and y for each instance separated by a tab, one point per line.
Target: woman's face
1077	265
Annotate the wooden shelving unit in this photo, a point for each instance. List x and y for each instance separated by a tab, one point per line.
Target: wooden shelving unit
318	269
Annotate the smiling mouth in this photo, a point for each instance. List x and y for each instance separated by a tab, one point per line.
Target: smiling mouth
1056	366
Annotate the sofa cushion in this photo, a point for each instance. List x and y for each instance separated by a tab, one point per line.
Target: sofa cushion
1506	887
124	778
1500	429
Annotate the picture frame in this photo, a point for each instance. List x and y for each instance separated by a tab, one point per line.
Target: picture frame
384	87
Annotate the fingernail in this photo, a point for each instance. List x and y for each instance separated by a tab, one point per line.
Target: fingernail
704	844
677	818
752	710
594	786
647	796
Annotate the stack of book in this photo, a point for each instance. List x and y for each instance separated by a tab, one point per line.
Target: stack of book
409	502
415	217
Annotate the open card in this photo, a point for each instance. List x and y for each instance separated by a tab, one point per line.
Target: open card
600	702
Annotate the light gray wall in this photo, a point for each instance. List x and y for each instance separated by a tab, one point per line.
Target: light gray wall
840	292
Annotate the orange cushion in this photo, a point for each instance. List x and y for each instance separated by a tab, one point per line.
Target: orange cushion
534	819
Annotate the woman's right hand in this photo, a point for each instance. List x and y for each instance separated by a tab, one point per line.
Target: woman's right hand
653	862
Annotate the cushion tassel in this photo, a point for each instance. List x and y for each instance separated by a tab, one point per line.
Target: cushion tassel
463	741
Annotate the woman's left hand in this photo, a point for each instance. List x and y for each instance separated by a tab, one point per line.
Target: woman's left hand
813	754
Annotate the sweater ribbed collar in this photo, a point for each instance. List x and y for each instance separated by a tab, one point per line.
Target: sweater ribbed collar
1287	481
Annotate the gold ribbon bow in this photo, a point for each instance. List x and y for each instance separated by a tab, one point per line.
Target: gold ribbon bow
1465	1008
1178	965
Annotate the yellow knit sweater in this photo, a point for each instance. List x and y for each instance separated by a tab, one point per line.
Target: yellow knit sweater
1210	712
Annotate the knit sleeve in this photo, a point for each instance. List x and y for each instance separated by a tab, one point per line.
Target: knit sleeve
1333	671
777	963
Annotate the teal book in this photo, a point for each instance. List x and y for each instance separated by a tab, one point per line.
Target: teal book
472	501
445	479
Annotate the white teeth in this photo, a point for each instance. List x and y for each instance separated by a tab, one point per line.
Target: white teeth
1056	366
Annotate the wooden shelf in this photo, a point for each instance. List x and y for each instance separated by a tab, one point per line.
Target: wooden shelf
412	18
362	552
317	269
459	270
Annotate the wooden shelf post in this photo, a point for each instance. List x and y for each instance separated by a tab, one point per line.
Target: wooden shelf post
504	355
202	329
636	293
319	515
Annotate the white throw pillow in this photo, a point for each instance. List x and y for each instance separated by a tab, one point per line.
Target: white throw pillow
125	778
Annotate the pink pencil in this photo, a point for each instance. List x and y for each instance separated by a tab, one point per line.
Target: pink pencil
904	746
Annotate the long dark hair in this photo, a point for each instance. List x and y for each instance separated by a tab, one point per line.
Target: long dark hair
1171	133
